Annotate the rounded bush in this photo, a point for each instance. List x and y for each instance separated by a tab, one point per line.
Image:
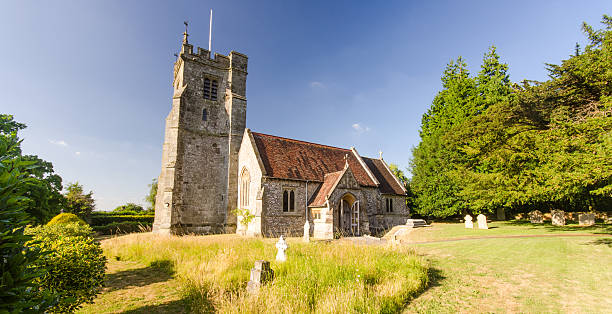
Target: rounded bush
65	218
73	261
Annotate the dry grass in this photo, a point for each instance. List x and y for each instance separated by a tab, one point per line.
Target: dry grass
317	277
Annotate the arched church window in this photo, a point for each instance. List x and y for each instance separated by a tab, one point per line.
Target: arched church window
211	87
245	183
204	114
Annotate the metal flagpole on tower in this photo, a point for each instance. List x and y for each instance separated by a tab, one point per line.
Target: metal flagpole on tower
210	32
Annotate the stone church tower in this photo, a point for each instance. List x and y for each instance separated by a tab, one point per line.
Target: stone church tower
197	185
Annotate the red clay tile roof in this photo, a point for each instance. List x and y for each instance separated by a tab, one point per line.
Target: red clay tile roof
388	184
326	188
292	159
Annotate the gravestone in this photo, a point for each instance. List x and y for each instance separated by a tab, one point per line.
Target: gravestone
468	222
536	217
558	217
501	214
260	275
415	223
306	237
482	221
587	219
282	246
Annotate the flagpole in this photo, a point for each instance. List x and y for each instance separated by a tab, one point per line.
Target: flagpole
210	32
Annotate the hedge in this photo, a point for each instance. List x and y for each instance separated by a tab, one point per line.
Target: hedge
103	219
122	227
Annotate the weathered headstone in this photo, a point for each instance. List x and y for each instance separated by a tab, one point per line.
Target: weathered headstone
415	223
587	219
558	217
306	237
482	221
468	222
501	214
260	275
282	246
536	217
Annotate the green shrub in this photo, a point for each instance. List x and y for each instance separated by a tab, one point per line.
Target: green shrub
102	219
122	227
74	264
18	286
66	218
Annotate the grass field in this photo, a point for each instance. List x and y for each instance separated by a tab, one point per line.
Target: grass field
569	273
210	273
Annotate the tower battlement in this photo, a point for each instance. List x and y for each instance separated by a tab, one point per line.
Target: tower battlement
234	60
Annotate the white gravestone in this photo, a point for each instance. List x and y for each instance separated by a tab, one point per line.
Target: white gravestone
468	222
281	245
306	232
482	221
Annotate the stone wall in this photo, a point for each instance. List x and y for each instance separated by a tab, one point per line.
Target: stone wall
276	222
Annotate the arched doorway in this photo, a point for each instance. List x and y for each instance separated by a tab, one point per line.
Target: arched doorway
348	216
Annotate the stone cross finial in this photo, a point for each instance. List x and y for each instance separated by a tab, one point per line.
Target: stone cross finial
282	246
345	161
380	154
185	34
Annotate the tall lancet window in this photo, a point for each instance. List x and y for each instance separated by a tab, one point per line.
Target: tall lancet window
245	183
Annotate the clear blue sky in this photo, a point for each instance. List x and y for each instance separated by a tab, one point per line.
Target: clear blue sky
92	80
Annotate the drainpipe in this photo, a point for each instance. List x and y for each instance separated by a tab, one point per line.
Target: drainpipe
306	206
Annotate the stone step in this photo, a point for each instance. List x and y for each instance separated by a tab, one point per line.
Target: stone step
415	223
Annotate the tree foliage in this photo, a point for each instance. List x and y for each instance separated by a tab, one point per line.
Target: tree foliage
78	202
18	288
540	145
44	200
150	198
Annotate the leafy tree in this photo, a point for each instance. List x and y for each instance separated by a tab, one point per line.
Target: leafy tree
130	208
18	288
44	200
77	202
150	198
436	182
539	145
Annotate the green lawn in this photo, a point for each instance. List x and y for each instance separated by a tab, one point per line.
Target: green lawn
570	274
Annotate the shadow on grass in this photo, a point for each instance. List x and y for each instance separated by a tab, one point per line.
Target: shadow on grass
595	229
158	271
606	241
178	306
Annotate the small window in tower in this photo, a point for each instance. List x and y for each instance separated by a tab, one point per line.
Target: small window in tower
204	114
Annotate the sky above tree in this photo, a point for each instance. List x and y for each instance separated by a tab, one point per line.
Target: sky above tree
92	80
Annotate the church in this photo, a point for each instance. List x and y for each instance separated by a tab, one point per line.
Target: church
218	176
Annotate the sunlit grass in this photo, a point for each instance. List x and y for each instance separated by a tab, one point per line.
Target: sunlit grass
317	277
